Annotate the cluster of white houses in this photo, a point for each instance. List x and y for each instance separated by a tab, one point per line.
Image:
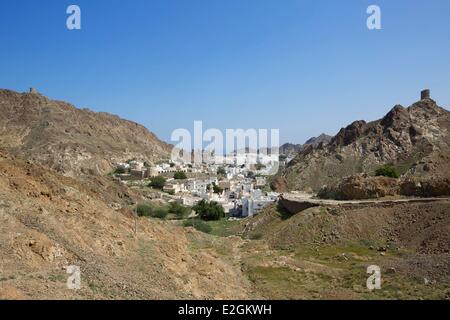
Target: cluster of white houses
240	191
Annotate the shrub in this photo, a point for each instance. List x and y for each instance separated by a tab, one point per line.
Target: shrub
179	210
171	192
180	175
120	170
144	210
147	210
221	171
256	236
209	211
387	171
157	182
217	189
198	225
160	213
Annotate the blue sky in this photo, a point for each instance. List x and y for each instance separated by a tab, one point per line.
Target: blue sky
305	67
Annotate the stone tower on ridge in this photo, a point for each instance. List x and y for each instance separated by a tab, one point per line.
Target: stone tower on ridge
425	94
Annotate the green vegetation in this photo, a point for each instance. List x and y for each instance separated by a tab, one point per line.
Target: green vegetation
180	175
7	278
221	171
174	209
198	224
144	210
180	211
148	210
171	192
209	211
120	170
215	187
387	171
157	182
256	236
316	271
56	277
224	227
160	213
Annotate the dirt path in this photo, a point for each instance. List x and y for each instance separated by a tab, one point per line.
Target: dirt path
305	197
297	202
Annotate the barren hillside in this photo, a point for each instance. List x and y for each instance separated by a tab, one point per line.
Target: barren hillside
71	140
48	222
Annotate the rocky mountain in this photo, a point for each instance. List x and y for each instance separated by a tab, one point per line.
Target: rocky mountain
316	141
71	140
415	140
289	149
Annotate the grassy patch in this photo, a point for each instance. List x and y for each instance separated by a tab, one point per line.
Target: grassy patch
256	236
57	277
285	283
6	278
223	227
198	225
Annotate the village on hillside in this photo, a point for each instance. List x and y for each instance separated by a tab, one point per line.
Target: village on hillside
241	189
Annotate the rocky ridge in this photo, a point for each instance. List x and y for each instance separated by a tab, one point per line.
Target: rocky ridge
416	140
69	140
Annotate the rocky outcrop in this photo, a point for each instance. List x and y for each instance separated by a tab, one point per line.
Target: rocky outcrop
362	186
349	134
291	150
434	187
415	140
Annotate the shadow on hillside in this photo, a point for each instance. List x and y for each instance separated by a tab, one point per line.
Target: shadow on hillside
283	212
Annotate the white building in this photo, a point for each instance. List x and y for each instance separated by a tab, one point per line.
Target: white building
136	165
197	187
122	165
260	181
251	206
177	187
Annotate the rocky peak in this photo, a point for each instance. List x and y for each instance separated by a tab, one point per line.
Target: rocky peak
349	134
396	119
413	139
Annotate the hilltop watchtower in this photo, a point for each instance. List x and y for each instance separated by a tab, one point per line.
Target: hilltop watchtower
425	94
